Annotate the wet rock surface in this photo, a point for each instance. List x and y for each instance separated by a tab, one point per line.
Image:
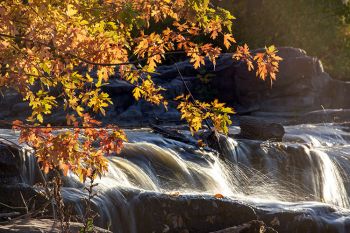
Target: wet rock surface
174	213
250	227
322	220
259	129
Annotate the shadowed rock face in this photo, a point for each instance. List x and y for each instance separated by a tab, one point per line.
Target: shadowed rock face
254	226
10	164
252	128
155	213
302	85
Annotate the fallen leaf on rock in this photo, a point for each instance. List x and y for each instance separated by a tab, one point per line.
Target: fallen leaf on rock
219	195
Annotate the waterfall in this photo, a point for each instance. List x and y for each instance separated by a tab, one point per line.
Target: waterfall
294	170
306	166
333	190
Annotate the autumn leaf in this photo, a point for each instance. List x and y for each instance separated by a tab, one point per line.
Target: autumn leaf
79	110
228	40
137	93
219	196
71	10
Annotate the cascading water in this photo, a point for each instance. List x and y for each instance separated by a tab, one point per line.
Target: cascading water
302	168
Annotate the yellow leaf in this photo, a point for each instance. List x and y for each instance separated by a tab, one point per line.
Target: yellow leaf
40	118
79	111
70	10
137	92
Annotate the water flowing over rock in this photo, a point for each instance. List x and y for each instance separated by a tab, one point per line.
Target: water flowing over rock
159	184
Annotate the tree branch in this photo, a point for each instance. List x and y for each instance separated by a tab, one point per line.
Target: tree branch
84	59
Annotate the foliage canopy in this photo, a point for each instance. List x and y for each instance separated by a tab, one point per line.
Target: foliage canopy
73	47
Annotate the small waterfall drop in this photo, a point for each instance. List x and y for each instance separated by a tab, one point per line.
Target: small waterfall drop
307	166
333	190
292	171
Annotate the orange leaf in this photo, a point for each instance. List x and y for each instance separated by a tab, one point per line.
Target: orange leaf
219	196
228	39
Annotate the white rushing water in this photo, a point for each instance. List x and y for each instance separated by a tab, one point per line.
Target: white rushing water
305	167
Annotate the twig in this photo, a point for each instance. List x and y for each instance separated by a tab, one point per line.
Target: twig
86	60
27	215
13	207
24	202
47	191
189	92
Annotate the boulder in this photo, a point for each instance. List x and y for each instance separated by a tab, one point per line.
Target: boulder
9	98
259	129
57	118
177	87
176	213
302	84
315	219
132	113
21	108
338	91
117	86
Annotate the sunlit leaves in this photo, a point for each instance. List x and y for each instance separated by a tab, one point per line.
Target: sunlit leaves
71	10
267	62
243	53
148	91
64	52
73	149
196	112
97	100
41	103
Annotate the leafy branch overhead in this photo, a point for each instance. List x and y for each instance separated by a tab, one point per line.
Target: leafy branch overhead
74	47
